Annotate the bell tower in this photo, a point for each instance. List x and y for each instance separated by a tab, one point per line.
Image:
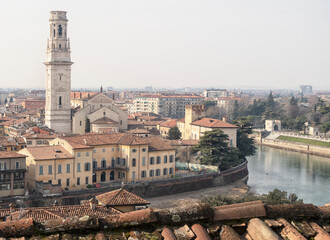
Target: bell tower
58	70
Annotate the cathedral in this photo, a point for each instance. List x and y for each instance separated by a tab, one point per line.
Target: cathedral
97	113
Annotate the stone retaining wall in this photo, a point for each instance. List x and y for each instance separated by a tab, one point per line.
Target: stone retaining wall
297	147
146	189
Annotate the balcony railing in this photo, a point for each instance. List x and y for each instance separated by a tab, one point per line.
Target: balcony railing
116	167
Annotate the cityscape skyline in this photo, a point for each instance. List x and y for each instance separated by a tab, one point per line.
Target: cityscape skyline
172	44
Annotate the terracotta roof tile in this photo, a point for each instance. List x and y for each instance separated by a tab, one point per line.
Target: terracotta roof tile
213	123
48	152
4	154
171	123
121	197
105	120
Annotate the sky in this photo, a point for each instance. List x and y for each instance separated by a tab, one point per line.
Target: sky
271	44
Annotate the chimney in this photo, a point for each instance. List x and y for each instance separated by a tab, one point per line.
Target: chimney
92	203
11	207
225	118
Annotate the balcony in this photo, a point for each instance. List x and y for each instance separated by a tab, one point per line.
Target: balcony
116	167
22	170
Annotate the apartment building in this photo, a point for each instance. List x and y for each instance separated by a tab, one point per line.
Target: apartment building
77	161
165	105
12	174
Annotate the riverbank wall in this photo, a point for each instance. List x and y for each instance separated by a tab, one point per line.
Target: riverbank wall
296	147
143	189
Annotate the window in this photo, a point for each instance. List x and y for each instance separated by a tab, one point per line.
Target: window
118	161
29	142
159	160
103	163
39	142
60	101
119	175
68	182
123	175
157	172
41	170
2	166
50	169
78	154
143	174
59	182
165	171
231	142
17	165
118	149
103	150
78	167
94	164
94	150
113	162
171	158
133	150
133	175
87	154
170	170
165	159
113	149
59	168
133	162
124	162
68	168
87	167
80	123
151	173
86	180
152	160
78	181
143	161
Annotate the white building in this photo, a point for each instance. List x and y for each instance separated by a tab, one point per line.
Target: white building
58	74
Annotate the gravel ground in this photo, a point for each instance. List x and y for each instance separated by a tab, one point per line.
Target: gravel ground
236	189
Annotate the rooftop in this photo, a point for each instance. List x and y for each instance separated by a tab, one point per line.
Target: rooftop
213	123
121	197
48	152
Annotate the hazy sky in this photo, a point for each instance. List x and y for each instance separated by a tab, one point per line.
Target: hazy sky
172	43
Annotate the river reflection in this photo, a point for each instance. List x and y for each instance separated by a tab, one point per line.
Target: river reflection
306	175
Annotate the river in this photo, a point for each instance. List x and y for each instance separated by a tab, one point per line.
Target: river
306	175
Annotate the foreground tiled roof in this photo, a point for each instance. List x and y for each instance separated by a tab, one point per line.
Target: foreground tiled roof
245	221
121	197
213	123
169	124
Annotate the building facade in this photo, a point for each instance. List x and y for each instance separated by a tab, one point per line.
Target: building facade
58	74
165	105
78	161
12	174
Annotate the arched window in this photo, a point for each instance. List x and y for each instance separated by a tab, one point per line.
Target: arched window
103	176
60	30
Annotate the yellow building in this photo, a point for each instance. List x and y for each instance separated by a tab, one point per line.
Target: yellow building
58	166
195	124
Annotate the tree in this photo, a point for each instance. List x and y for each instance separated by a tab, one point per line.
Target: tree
87	125
325	128
245	144
174	133
293	108
214	150
235	110
270	101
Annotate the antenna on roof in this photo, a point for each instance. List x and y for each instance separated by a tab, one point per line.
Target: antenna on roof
101	89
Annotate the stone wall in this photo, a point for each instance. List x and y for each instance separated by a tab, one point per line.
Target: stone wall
297	147
148	189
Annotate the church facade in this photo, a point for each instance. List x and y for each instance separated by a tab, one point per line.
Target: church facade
98	114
